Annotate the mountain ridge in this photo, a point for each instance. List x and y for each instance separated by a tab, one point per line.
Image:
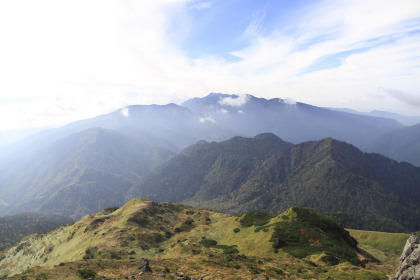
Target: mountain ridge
326	175
63	177
40	171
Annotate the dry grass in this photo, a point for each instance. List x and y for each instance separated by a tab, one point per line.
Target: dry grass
181	252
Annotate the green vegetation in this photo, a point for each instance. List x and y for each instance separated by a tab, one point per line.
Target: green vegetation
108	210
384	246
86	273
363	191
210	243
310	233
14	228
41	276
256	218
88	254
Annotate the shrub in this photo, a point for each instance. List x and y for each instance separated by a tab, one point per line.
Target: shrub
208	243
114	255
88	254
108	210
256	218
231	250
41	276
140	219
86	273
236	230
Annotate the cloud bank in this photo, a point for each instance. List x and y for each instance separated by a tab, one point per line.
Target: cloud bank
238	101
405	97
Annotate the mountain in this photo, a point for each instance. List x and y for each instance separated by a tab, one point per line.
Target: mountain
405	120
205	169
78	174
402	144
200	243
368	191
167	126
218	117
91	164
293	122
143	123
14	228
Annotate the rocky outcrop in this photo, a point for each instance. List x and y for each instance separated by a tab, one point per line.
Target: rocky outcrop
144	266
409	266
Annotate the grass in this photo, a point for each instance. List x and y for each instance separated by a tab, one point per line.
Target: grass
208	245
386	247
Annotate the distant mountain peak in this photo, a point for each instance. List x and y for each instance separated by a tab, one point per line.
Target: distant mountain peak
267	136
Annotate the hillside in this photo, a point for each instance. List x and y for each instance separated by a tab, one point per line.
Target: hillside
384	246
206	169
77	175
14	228
402	144
298	243
367	191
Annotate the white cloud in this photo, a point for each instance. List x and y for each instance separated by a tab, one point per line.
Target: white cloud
289	101
76	59
207	119
255	27
406	97
237	101
3	203
125	112
201	5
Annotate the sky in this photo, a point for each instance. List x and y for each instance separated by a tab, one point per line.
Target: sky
65	60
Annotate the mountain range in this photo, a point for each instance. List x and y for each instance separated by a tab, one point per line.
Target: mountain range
268	174
183	153
219	117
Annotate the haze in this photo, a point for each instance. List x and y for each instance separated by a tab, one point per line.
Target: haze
61	61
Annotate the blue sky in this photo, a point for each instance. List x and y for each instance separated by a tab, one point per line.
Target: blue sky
61	61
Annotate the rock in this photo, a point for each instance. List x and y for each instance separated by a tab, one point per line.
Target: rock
144	266
181	276
409	266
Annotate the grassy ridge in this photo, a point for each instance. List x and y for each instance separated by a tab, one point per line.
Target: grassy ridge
384	246
197	242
